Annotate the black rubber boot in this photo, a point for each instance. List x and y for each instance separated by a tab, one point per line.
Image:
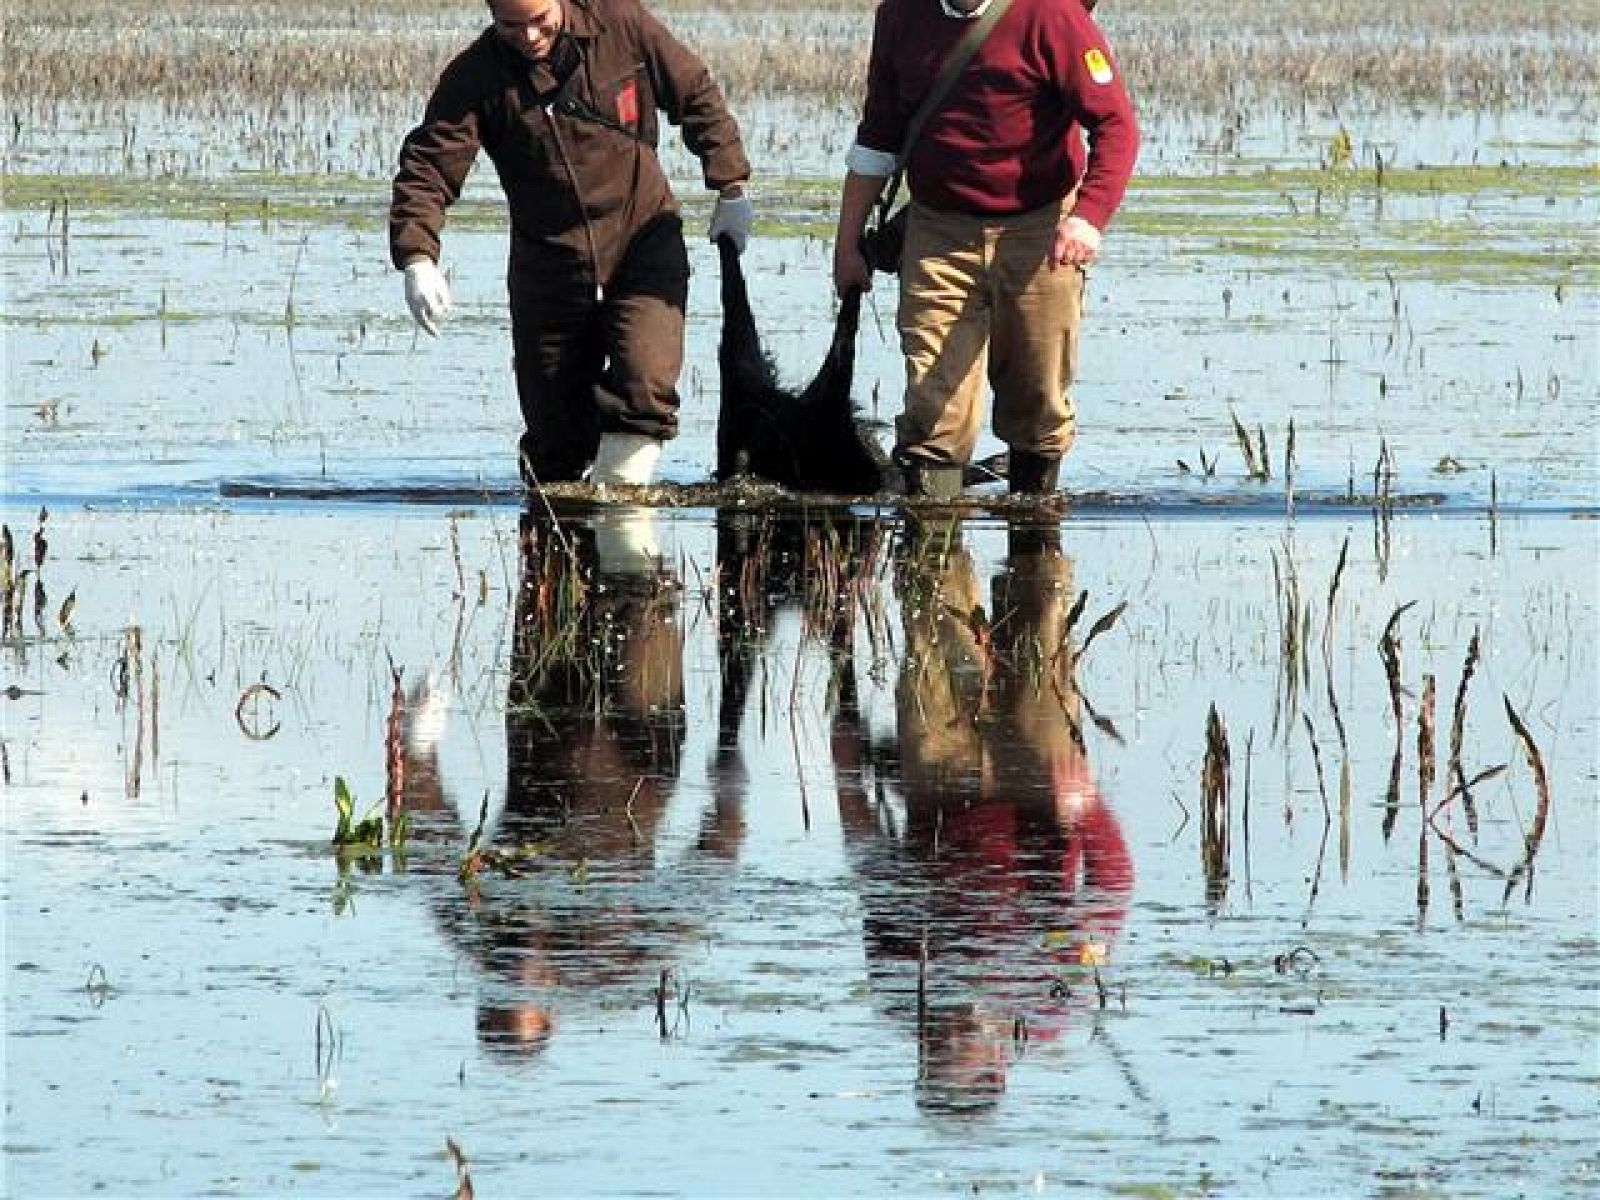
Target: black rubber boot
1034	474
1029	541
933	480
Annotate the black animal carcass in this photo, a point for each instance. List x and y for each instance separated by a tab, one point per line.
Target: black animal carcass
806	440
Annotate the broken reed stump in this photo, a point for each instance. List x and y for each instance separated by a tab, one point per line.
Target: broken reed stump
1215	782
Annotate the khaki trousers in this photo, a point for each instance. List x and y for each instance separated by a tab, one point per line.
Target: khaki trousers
984	717
978	298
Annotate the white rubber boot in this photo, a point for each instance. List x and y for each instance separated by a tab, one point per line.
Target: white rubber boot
426	714
626	541
625	458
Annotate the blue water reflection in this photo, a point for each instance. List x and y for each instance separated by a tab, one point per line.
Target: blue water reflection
993	877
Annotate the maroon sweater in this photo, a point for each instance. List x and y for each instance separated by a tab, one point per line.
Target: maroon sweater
1006	139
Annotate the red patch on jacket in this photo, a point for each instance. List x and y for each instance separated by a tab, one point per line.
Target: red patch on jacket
628	104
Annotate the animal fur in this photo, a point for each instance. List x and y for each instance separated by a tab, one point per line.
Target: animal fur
806	441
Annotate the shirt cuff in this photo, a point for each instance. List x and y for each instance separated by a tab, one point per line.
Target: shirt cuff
863	160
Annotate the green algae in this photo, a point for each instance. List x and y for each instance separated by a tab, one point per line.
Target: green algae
1488	224
330	197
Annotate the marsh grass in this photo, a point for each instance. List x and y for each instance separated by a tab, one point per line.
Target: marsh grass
1431	228
23	592
221	57
311	83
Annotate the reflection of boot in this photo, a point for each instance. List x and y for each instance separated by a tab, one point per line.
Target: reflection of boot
626	542
425	715
1030	600
1030	540
1034	474
933	480
928	541
625	458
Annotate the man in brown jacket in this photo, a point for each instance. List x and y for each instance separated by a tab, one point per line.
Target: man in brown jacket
563	95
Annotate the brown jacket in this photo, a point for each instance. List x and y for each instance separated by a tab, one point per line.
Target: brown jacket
577	162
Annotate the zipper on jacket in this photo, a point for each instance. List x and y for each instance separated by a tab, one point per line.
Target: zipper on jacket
577	192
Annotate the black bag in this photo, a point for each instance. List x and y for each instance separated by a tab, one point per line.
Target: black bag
885	241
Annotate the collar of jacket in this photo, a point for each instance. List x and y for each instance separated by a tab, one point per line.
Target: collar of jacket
582	25
582	22
950	10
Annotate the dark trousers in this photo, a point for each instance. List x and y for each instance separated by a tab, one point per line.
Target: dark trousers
588	364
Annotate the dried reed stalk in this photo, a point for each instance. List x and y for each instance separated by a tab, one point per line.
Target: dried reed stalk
1327	817
463	1175
1101	626
1541	814
1425	743
1425	749
1215	784
8	581
1458	724
394	747
1253	467
133	656
1389	650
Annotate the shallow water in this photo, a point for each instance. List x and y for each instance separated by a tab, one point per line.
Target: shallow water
202	998
729	795
1443	327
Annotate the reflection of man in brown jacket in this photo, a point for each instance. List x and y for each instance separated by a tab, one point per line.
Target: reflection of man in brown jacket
583	914
563	95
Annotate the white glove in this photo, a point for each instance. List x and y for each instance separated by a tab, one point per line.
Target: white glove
732	215
427	294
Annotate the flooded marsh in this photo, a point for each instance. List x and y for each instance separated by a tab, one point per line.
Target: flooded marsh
851	843
1228	829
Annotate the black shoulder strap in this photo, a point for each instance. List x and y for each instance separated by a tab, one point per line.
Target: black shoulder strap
953	65
571	103
568	99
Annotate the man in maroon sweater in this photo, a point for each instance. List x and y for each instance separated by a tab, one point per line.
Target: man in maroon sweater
1008	208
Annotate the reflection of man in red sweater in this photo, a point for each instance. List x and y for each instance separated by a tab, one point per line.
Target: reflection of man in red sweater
1006	869
1008	208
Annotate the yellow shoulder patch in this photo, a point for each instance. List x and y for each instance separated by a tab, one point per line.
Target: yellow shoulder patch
1099	65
